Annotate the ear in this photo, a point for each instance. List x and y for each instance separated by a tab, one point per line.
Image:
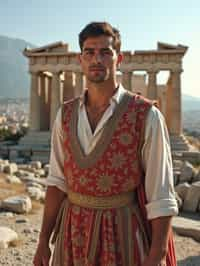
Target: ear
119	59
79	55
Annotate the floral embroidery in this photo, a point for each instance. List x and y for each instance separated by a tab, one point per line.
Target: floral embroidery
131	117
118	160
83	180
104	183
125	139
117	171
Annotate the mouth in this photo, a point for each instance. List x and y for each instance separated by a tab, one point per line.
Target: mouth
96	68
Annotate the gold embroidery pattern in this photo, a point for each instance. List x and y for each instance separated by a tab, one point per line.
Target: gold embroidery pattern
104	183
131	117
125	139
83	180
118	160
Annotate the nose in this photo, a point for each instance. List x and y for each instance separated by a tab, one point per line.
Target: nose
97	57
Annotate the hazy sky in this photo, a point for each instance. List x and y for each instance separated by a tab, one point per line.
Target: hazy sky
142	23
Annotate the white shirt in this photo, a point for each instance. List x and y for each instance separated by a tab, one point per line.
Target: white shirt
156	155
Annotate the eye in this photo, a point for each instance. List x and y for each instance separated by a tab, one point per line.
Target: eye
106	52
88	52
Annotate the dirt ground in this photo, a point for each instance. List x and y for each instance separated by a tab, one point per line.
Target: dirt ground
28	226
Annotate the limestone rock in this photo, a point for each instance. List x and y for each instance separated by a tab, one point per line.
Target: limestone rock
46	169
182	190
2	166
36	164
3	163
17	204
6	214
179	201
176	177
10	168
39	172
7	236
177	164
197	176
192	198
34	184
187	171
12	179
35	193
186	227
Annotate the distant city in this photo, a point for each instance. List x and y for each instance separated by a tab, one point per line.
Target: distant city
14	115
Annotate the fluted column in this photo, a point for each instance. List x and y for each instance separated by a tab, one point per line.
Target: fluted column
34	103
79	83
43	121
48	99
174	107
152	85
69	86
55	96
127	80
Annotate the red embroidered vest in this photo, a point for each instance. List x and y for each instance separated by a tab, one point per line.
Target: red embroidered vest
113	166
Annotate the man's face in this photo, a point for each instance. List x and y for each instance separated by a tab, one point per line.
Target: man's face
99	59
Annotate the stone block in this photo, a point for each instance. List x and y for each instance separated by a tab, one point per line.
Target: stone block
197	176
10	168
12	179
179	201
17	204
7	237
187	171
192	198
35	193
182	190
46	169
36	164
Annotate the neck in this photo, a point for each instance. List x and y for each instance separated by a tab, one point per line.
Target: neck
100	93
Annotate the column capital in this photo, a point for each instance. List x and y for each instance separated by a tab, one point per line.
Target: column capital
152	71
34	73
55	72
176	70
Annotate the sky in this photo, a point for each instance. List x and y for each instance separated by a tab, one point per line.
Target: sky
142	24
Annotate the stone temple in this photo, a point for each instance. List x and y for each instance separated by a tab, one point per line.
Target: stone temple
56	76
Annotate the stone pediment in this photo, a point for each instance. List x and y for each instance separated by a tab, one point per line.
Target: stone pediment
57	47
167	46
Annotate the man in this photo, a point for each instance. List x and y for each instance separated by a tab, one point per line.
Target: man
110	189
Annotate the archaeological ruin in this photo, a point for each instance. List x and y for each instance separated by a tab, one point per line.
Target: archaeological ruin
56	76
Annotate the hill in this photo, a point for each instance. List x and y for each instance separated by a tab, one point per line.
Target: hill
190	103
14	77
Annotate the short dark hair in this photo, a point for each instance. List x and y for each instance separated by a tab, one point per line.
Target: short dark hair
95	29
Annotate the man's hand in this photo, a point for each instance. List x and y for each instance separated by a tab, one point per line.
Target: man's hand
53	202
42	255
149	261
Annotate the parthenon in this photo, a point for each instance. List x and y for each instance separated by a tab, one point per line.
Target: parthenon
56	76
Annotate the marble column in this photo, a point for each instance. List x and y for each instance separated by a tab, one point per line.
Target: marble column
174	107
43	118
48	99
127	80
34	103
55	97
79	84
69	85
152	85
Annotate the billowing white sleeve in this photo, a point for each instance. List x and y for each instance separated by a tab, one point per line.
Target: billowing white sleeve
56	171
157	162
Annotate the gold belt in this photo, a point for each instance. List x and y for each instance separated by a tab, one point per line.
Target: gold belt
101	202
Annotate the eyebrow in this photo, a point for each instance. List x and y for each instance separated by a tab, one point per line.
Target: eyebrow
101	49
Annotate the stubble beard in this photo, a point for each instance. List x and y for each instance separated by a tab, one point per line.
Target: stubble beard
99	78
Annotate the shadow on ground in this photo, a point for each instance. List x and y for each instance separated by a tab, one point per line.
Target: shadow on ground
190	261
